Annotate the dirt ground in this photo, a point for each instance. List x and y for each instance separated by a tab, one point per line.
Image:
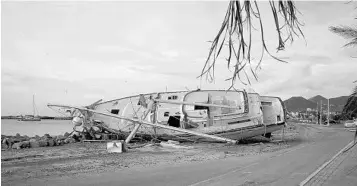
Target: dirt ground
83	158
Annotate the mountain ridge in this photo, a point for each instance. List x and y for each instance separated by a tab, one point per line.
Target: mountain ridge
299	103
317	99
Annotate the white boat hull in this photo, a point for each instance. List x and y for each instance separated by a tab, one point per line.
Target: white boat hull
251	118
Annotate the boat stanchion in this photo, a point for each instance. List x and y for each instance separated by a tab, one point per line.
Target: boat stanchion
283	133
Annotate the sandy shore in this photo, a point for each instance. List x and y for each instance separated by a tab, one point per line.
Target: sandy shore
83	158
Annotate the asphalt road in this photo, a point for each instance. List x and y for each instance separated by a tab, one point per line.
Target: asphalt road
287	167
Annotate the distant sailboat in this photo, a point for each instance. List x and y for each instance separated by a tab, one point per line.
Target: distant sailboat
33	117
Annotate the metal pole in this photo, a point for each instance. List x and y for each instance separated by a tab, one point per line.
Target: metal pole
282	135
320	112
33	105
317	113
137	126
328	112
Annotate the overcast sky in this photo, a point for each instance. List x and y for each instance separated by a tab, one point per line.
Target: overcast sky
78	52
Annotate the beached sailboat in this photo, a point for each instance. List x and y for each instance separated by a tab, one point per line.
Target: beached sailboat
216	114
34	117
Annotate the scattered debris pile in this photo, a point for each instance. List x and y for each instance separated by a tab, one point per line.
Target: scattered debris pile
97	131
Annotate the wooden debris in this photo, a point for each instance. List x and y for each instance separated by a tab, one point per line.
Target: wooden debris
173	142
166	144
154	124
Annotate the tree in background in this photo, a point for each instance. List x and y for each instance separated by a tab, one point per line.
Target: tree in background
337	117
350	109
350	33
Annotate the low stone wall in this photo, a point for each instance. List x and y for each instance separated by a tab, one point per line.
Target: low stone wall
20	142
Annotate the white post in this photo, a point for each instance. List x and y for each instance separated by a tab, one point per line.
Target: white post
321	112
328	112
282	135
317	113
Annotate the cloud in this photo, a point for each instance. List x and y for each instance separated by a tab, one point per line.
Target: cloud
17	91
115	49
309	79
170	54
311	57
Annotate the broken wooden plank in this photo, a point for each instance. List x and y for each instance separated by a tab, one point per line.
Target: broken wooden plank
176	146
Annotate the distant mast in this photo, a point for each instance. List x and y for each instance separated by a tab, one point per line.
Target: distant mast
32	117
33	105
34	108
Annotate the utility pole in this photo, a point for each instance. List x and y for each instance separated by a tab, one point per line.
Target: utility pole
317	112
320	112
328	112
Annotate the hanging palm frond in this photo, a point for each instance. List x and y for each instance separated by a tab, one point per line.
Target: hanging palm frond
347	32
350	108
236	32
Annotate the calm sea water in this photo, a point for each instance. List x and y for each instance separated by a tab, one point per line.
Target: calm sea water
32	128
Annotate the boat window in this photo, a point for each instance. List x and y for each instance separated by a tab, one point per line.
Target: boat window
174	121
172	97
267	103
114	111
198	107
166	114
235	100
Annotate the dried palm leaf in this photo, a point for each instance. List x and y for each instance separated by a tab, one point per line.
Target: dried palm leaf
236	31
347	33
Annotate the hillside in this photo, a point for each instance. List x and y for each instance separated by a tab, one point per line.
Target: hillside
339	100
337	104
301	104
298	104
318	99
